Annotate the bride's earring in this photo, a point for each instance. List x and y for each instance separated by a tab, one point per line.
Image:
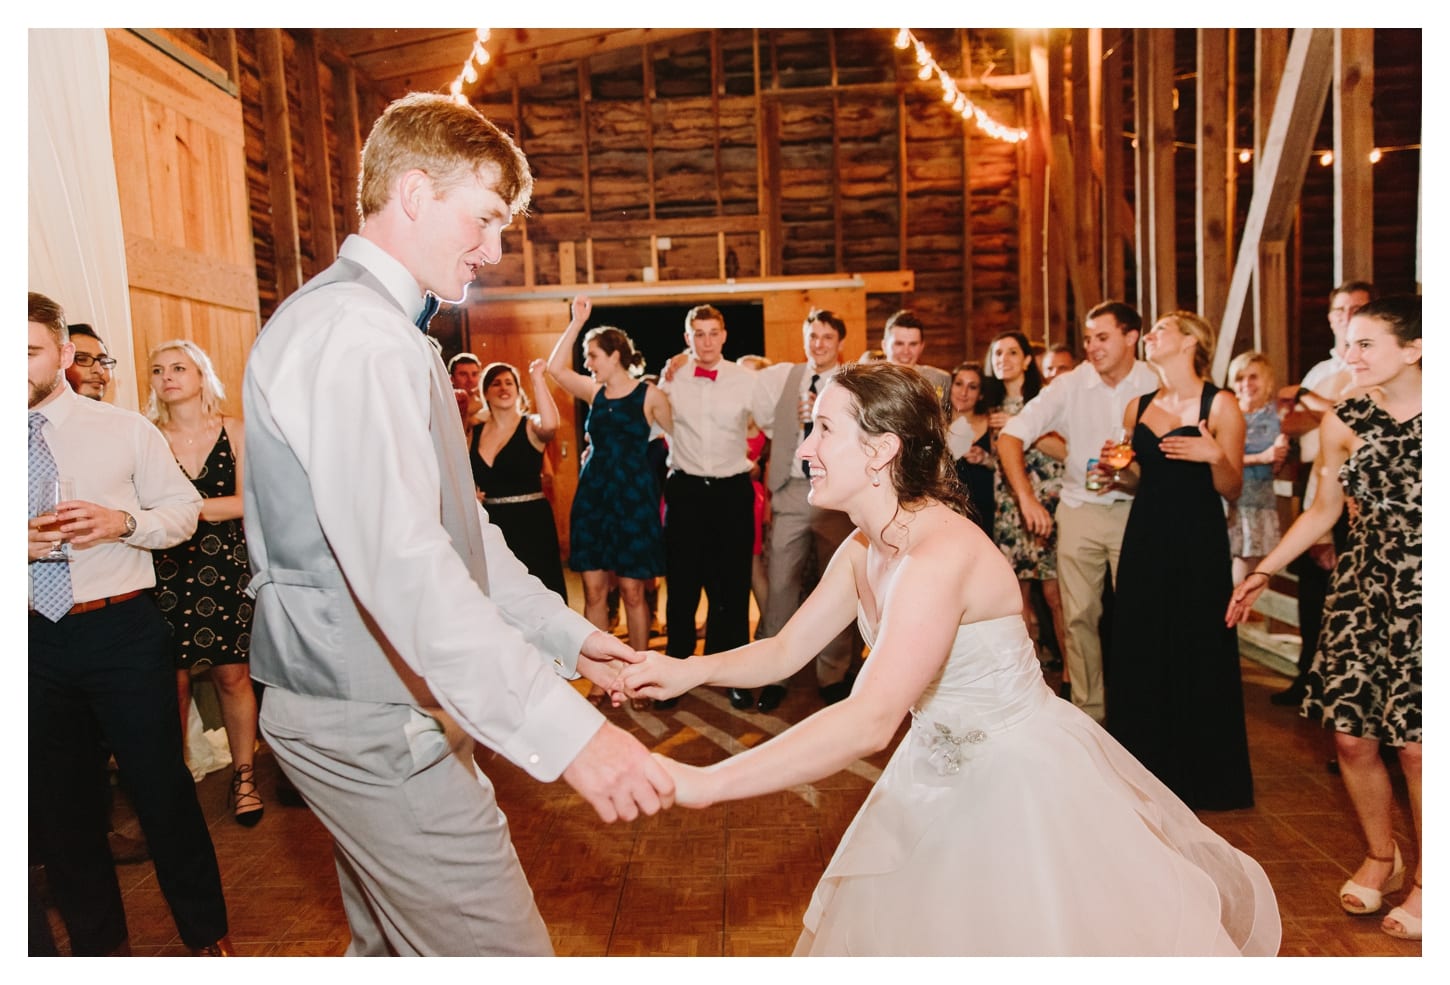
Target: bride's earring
876	479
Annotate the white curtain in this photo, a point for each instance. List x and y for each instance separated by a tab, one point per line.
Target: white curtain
77	249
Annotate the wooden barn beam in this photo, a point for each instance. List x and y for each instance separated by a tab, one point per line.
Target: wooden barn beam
969	301
276	122
1060	234
1031	209
1087	162
767	155
1287	144
1153	93
222	42
1214	165
1353	140
349	140
1117	217
1270	289
318	172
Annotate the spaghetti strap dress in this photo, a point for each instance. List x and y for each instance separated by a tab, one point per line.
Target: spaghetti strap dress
514	500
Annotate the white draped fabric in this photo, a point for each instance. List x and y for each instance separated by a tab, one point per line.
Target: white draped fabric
77	249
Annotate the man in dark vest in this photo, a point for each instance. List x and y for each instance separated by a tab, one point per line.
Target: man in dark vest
785	395
393	626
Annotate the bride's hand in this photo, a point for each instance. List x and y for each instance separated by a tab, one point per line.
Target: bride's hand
658	676
692	783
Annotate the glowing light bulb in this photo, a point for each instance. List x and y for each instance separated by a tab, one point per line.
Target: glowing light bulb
1245	156
903	38
1375	155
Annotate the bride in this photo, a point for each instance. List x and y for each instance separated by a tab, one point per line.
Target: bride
1007	821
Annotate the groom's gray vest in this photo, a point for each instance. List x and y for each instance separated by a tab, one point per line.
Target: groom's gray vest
309	634
784	465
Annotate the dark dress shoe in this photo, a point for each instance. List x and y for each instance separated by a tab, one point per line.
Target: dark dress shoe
770	697
741	699
1291	697
665	704
127	851
220	948
832	693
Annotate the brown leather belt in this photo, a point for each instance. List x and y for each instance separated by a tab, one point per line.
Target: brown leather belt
95	604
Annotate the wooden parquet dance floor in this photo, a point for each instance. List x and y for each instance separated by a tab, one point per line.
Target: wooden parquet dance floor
735	879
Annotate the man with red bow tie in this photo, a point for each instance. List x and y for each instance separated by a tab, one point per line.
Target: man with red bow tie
709	501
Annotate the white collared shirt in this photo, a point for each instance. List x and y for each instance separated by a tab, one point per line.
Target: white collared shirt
1085	411
1323	378
711	419
351	396
118	460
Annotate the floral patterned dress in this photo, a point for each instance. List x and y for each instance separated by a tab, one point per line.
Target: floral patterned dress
1032	557
1253	518
1365	680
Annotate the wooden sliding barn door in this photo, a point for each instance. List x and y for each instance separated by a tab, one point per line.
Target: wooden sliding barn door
181	175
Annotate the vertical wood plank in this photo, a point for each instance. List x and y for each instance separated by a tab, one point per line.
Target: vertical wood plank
280	161
1353	140
1213	162
1116	231
349	141
318	170
969	301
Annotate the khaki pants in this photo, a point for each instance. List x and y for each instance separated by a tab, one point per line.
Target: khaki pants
1088	541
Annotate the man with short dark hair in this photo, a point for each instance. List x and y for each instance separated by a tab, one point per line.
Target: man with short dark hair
90	371
1085	406
903	340
101	671
1058	359
393	626
465	371
784	399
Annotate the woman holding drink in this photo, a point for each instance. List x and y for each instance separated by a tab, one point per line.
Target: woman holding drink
1175	699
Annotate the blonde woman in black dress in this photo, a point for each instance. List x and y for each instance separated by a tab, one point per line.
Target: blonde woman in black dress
201	583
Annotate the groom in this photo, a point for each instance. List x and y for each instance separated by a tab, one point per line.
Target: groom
393	627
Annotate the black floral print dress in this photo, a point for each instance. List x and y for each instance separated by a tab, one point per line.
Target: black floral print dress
201	583
1366	675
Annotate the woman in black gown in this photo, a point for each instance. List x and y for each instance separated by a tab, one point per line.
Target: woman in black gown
1175	698
507	455
969	437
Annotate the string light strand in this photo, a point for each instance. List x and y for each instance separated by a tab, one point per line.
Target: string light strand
477	58
952	94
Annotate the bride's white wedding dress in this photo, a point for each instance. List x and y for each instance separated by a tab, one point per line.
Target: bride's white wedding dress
1008	822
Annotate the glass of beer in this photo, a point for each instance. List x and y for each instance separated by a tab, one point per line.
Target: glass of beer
1120	455
57	491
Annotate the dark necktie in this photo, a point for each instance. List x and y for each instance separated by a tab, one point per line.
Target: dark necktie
50	586
806	427
709	374
430	306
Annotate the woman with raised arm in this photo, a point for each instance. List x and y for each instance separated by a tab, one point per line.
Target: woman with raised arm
1365	679
614	525
1007	821
1176	698
506	452
201	583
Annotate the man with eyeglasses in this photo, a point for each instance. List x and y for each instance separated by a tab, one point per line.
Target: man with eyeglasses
90	373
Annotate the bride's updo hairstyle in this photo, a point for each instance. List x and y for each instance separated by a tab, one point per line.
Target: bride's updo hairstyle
889	399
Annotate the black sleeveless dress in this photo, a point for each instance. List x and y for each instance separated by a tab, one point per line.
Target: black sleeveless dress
980	482
1175	698
527	524
201	583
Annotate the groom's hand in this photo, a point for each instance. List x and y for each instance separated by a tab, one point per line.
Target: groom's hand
619	777
602	658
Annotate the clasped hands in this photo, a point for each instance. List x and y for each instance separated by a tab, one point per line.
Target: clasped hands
614	772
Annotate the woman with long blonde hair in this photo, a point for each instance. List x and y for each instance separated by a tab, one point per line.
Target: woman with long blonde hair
201	583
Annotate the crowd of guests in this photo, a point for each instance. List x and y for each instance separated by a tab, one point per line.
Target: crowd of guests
1130	480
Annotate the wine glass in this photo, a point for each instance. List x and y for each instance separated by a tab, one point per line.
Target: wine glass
1120	455
57	491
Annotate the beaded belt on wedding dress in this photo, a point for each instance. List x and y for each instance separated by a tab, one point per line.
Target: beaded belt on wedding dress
501	500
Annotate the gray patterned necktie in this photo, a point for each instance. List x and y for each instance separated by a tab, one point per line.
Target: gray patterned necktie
50	580
806	427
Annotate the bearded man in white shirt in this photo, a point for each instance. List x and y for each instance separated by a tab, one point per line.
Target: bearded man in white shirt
393	626
1085	406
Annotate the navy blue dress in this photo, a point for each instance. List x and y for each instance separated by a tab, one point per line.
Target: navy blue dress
1175	697
615	521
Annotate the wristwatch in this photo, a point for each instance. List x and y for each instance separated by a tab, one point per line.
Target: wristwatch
130	524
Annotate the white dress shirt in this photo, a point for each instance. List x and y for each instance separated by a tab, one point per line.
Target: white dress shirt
119	460
770	381
1085	411
711	419
350	396
1324	379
